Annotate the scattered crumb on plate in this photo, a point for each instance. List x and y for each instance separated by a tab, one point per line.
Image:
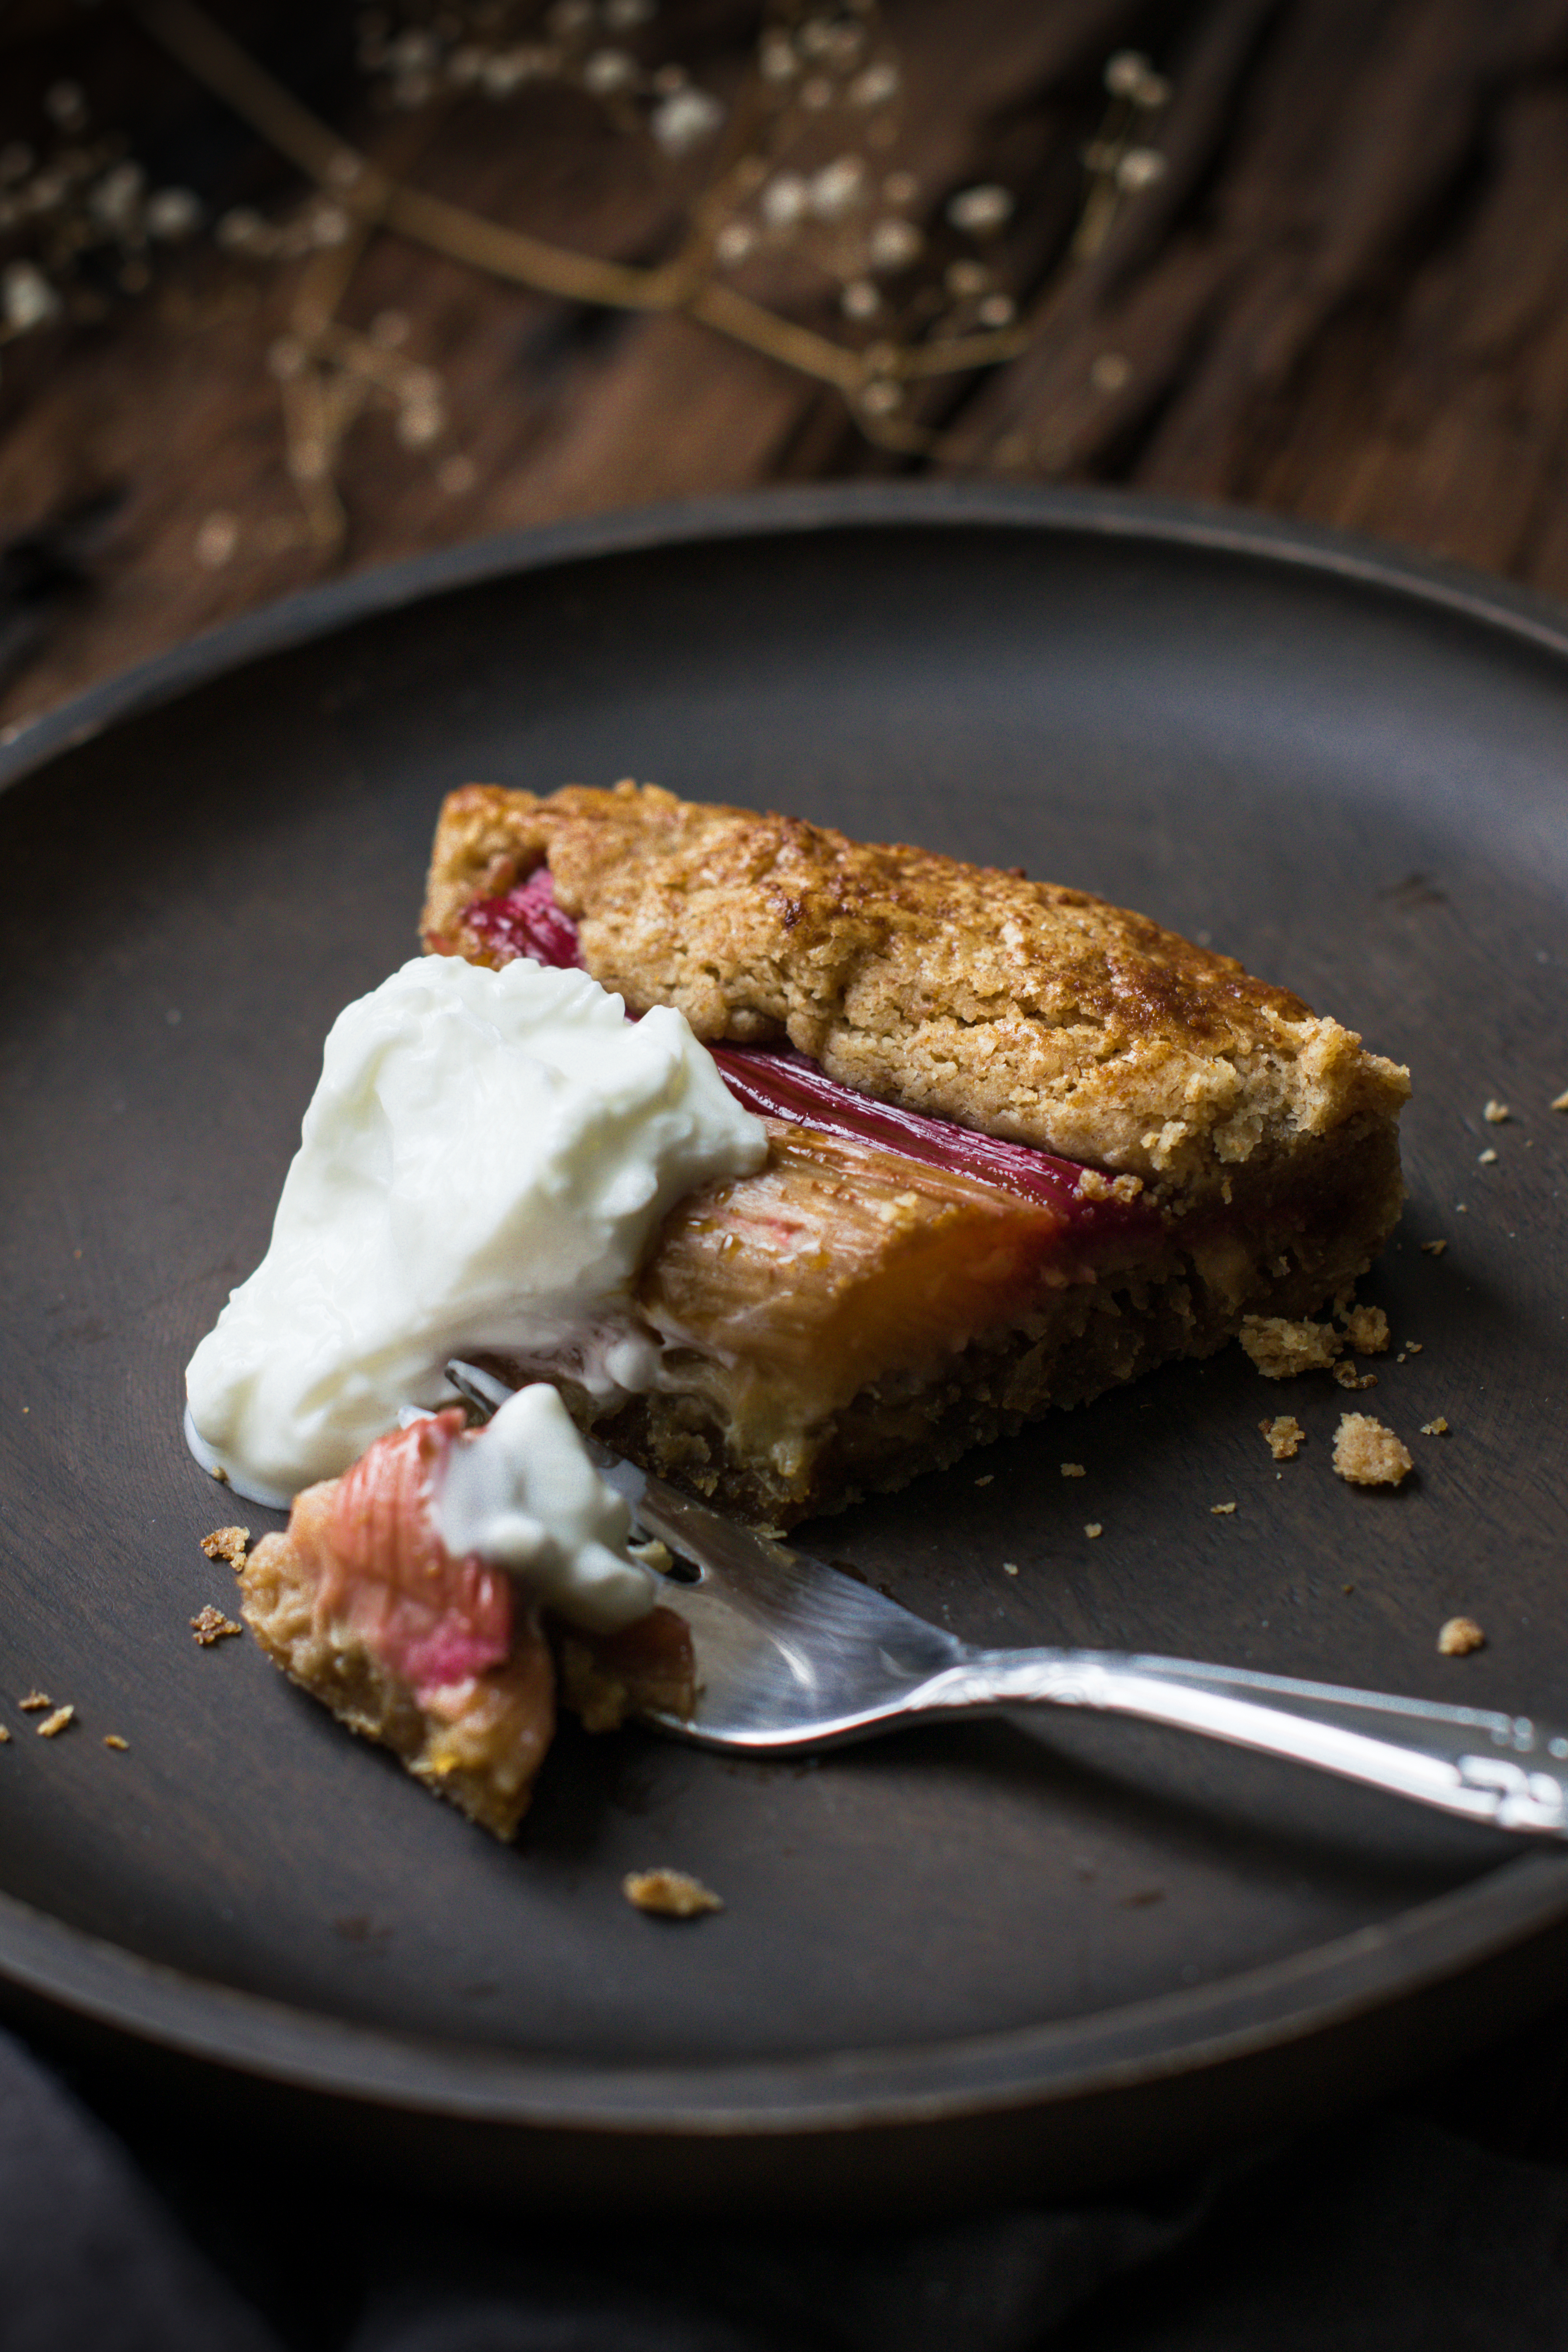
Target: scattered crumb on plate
1485	1159
1074	1470
1368	1455
673	1893
1285	1435
4	1736
1559	1102
1439	1428
1496	1112
210	1625
112	1739
1460	1636
227	1543
1414	1347
1221	1510
34	1703
1348	1378
1092	1528
1281	1349
53	1724
1009	1567
1366	1330
1433	1249
988	1480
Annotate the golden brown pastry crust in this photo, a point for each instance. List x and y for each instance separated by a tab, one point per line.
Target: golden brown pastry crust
1018	1008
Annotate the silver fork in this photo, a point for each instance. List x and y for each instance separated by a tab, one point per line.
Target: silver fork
792	1654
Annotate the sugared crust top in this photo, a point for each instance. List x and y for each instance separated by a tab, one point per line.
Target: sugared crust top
1016	1007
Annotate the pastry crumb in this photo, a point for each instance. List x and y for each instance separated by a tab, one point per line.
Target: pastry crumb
1281	1349
227	1543
988	1480
1074	1470
1414	1347
1009	1567
210	1625
1559	1102
652	1553
1092	1528
1496	1113
1285	1435
5	1736
1439	1428
1221	1510
53	1724
1349	1377
112	1739
1366	1330
1460	1636
1485	1159
673	1894
34	1703
1433	1249
1368	1455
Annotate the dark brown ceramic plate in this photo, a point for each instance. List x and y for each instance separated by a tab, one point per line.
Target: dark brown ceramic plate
986	1958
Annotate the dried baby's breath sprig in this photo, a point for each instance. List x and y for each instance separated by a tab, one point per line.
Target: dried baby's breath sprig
796	162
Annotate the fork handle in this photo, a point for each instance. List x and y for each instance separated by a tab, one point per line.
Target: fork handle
1482	1765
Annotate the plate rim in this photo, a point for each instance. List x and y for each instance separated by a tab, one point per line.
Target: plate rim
962	2077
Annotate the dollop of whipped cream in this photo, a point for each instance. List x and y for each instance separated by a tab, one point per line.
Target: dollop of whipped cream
521	1494
485	1163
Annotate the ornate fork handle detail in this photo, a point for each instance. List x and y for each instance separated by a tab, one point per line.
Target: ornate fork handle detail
1443	1756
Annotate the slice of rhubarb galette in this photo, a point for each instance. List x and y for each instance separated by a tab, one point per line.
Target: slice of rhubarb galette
1024	1145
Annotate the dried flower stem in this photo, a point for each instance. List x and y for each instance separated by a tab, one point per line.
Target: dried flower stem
380	201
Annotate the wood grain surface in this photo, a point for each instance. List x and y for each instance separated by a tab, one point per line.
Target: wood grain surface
1345	299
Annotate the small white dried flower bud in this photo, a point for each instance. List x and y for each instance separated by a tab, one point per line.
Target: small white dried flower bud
466	65
1126	72
837	188
881	396
980	212
241	230
997	310
964	279
1109	372
900	187
783	200
570	17
115	202
875	85
818	94
734	241
859	299
65	103
172	215
286	358
27	298
413	52
776	59
893	245
670	78
609	71
622	14
330	225
420	422
1140	168
216	541
684	120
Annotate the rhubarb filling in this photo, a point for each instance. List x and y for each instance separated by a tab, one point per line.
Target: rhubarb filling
787	1086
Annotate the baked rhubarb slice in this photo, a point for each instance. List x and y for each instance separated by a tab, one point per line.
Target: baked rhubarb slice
1024	1145
444	1661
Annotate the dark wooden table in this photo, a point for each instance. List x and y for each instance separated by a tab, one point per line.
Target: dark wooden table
1333	281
